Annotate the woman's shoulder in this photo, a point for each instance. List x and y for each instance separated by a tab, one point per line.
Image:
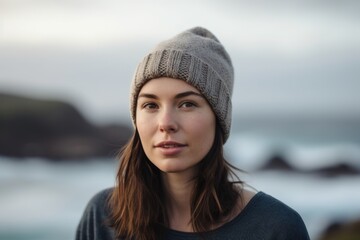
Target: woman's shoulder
265	205
100	197
264	210
98	205
269	205
94	223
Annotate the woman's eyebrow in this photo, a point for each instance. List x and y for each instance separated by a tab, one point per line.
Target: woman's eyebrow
188	93
148	95
177	96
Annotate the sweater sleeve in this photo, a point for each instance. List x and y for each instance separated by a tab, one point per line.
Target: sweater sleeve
265	217
93	223
292	227
289	224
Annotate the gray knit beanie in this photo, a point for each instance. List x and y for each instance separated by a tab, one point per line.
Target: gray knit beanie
197	57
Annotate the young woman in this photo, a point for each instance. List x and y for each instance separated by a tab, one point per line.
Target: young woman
173	181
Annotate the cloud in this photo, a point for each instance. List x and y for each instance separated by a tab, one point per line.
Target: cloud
87	24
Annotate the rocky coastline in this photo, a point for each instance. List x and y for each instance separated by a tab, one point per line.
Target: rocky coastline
278	161
54	130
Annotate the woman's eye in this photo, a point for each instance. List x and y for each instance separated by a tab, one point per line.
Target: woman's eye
187	105
150	106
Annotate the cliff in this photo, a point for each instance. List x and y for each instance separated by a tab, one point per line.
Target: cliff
54	130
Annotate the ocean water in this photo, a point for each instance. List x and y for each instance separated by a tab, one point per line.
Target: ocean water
42	200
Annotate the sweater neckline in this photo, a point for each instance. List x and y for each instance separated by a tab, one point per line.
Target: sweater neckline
237	218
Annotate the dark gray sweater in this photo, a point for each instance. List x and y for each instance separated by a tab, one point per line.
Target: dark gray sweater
263	218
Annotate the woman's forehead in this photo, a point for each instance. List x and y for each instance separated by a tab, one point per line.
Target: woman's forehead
168	85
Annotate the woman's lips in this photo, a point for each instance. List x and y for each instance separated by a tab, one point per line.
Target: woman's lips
169	148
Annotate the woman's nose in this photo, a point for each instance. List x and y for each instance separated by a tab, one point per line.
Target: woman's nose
168	121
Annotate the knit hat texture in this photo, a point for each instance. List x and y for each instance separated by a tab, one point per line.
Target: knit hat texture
197	57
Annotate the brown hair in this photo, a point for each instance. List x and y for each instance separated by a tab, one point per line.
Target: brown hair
137	201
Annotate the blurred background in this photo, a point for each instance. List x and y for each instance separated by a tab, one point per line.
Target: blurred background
65	71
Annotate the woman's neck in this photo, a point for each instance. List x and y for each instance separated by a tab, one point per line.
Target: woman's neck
178	190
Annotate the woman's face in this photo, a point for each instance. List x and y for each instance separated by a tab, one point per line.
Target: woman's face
176	124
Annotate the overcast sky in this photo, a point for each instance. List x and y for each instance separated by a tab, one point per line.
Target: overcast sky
289	58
